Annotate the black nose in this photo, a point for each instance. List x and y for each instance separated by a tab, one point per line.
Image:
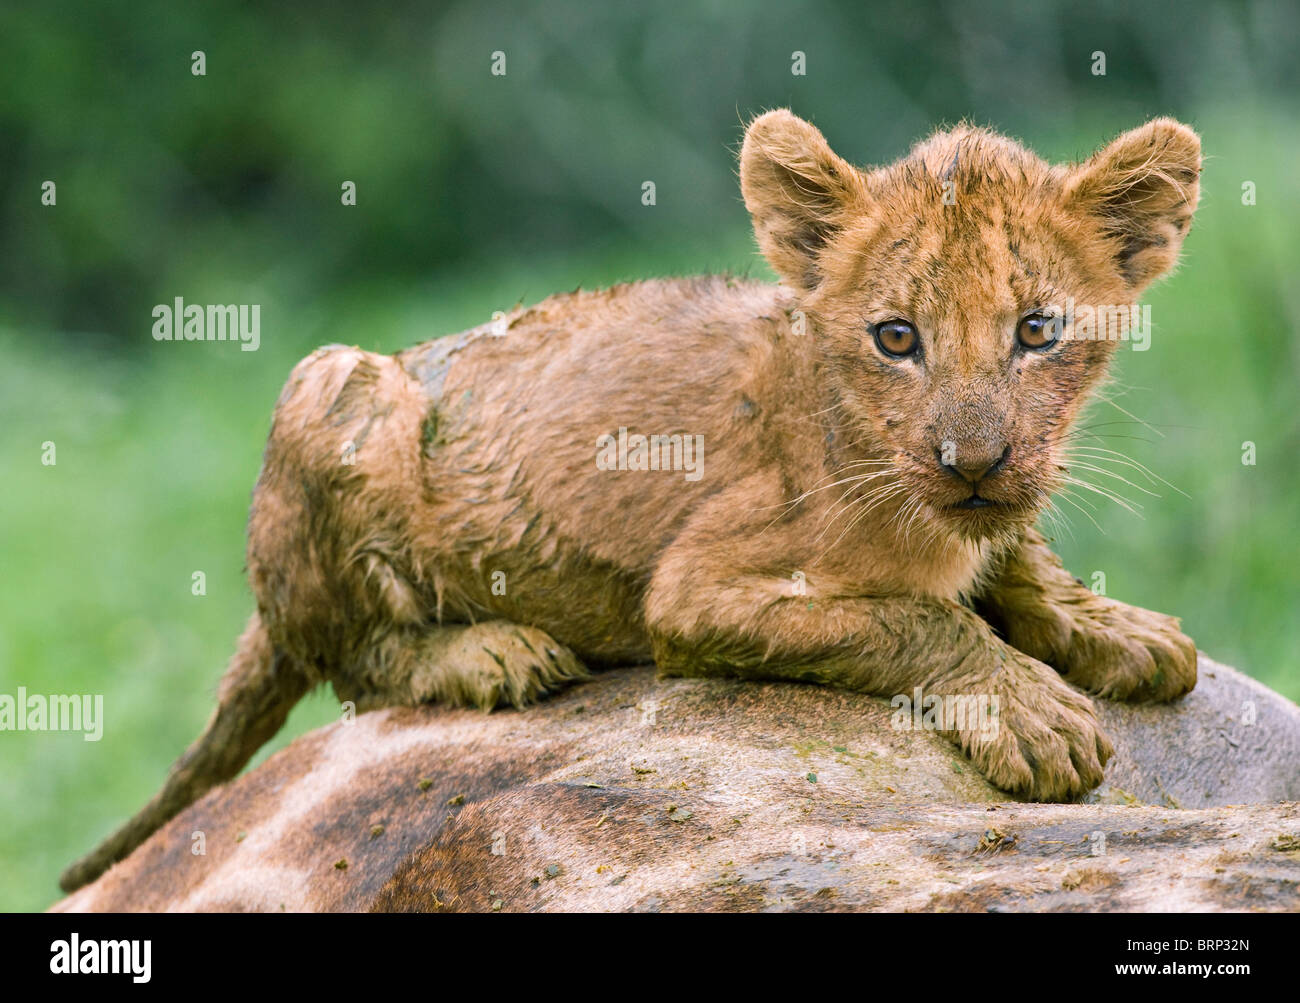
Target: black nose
973	465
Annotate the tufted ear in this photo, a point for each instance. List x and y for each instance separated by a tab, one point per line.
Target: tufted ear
798	193
1143	188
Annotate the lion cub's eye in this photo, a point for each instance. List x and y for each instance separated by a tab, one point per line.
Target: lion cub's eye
1038	331
896	338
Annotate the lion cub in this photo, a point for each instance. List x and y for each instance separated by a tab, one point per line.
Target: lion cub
833	480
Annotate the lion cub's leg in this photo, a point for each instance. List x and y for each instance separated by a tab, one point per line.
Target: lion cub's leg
332	560
484	665
1106	647
1040	739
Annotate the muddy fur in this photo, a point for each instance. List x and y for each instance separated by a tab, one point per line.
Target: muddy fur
435	526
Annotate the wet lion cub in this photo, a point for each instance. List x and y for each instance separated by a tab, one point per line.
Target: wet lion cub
832	480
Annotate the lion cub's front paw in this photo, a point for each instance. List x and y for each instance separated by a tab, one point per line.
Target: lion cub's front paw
1117	651
1046	743
1129	653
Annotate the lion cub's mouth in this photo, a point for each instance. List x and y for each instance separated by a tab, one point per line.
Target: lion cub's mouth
976	501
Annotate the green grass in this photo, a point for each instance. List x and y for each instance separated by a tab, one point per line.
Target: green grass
157	453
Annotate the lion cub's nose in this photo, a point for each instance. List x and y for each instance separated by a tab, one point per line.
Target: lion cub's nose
974	464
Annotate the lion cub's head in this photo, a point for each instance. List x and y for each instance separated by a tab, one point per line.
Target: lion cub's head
966	299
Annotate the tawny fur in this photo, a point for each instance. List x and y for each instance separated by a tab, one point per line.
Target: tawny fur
434	525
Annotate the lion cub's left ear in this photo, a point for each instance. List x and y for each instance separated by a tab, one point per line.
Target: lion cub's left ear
1143	187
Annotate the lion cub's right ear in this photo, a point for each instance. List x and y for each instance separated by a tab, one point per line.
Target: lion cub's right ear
798	192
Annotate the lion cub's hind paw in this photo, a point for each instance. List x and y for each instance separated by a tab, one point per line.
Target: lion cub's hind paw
493	664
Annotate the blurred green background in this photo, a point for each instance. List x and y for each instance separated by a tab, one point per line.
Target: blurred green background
477	191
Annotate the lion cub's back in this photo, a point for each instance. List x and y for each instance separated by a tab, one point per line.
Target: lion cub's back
546	403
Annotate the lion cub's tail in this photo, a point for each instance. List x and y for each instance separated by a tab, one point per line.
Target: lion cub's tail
256	694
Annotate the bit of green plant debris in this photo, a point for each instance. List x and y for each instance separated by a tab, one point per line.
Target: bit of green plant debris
812	778
994	841
677	814
376	831
459	799
240	836
429	431
812	746
496	905
553	871
1287	843
340	865
1116	795
425	783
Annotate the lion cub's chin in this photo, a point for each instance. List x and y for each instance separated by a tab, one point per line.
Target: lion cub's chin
999	524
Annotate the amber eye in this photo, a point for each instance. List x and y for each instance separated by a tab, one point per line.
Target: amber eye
1039	331
897	338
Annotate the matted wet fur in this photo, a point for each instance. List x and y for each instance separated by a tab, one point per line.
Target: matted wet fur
879	434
